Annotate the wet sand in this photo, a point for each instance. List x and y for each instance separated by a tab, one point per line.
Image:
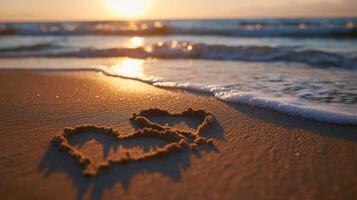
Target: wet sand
256	154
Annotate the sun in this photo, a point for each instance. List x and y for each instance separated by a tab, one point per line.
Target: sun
128	8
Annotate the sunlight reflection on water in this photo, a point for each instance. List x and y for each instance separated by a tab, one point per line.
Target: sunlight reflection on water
127	67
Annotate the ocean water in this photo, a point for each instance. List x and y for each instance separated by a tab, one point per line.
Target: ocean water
301	67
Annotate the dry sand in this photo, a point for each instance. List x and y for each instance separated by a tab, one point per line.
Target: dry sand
257	154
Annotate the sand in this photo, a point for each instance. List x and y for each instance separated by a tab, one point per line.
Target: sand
256	153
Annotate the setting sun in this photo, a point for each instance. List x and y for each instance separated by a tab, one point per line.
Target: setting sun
129	8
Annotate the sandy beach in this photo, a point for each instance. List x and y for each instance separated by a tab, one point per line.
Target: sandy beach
256	153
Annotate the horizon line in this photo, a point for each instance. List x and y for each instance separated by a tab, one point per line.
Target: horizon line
181	19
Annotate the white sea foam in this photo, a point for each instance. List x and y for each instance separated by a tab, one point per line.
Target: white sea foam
281	105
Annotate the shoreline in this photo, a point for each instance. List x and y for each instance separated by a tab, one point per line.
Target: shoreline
269	104
257	153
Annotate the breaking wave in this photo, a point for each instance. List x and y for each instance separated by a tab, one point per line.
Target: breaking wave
35	47
240	28
186	50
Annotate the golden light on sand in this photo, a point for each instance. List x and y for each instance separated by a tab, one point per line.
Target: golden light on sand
129	68
128	8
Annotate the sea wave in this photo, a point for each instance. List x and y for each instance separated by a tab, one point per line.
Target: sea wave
258	31
292	108
238	28
186	50
33	47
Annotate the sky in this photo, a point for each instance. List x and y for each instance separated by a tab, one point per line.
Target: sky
67	10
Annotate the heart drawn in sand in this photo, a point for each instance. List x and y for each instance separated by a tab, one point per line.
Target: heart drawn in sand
177	139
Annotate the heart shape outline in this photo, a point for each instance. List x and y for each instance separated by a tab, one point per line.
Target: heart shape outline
177	139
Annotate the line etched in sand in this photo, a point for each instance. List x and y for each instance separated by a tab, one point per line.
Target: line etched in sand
177	139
